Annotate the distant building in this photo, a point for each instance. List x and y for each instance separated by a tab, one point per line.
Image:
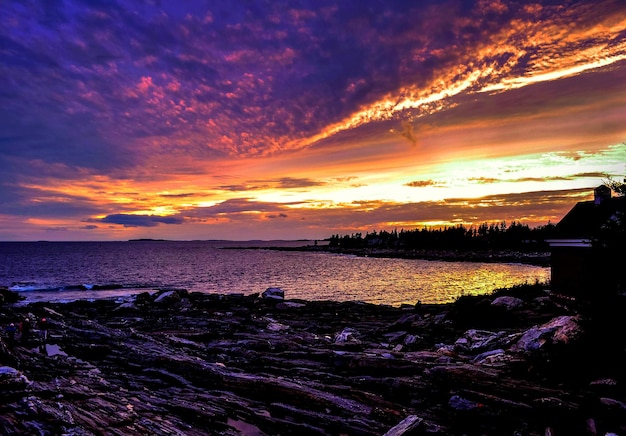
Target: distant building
578	265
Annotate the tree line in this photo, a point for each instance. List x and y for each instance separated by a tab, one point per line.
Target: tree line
514	236
500	236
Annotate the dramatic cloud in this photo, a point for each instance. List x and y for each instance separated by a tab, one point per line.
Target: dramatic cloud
283	183
237	206
127	113
140	220
421	183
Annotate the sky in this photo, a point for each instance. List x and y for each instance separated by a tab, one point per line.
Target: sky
303	119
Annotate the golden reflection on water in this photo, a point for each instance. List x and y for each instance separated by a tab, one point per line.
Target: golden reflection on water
403	281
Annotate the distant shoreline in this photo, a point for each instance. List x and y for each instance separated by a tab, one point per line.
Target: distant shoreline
486	256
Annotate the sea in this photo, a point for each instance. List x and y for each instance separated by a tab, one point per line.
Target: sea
67	271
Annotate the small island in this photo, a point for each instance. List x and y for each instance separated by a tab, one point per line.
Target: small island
147	240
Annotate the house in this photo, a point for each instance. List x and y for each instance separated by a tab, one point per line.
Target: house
579	266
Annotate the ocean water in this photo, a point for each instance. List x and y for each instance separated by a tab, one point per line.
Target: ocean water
62	271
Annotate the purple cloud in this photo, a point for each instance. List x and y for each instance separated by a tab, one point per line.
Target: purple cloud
141	220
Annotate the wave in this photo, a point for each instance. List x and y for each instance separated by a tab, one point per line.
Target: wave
38	287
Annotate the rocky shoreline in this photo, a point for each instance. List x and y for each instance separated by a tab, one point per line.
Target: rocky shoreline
539	258
522	361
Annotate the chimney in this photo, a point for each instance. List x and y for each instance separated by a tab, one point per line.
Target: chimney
601	193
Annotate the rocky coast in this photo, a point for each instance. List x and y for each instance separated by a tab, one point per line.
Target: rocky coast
521	361
539	258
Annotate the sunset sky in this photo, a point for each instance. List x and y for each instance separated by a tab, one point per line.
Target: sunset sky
302	119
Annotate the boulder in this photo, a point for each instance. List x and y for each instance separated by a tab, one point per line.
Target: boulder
128	305
9	296
12	380
167	298
477	341
411	339
143	298
406	320
273	294
395	337
459	403
275	326
508	302
347	335
560	330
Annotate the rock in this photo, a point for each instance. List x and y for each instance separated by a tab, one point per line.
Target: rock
508	302
410	340
286	305
143	298
406	321
128	305
167	298
489	356
459	403
567	329
604	382
591	427
476	341
560	330
274	326
12	380
406	426
395	337
347	335
9	296
53	313
273	294
613	404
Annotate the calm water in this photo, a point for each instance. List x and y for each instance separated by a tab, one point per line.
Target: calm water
47	271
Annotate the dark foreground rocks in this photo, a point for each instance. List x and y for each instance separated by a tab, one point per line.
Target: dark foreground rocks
524	362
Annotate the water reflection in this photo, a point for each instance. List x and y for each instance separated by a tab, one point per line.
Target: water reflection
398	281
203	266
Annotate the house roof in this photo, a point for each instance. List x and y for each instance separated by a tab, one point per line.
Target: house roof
586	218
